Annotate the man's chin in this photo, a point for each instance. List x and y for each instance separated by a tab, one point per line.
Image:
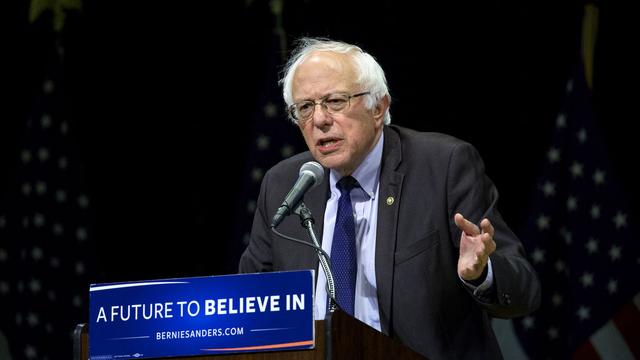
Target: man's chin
333	162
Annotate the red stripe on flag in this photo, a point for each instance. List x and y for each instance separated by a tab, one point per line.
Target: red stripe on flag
627	320
586	352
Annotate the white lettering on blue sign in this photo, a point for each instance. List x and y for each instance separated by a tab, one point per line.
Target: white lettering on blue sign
224	306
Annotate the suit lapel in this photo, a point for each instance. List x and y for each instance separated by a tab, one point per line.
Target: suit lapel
388	209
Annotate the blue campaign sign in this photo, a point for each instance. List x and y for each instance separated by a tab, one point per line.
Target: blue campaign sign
202	315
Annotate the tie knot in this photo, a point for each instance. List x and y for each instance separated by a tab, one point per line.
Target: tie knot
346	184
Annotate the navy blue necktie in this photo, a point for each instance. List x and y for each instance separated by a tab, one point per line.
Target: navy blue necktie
343	248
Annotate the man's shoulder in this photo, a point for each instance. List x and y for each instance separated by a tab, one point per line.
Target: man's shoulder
425	140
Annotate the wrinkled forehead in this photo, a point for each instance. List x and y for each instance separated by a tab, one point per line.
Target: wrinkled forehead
323	72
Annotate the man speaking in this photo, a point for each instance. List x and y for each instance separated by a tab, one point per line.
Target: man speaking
418	248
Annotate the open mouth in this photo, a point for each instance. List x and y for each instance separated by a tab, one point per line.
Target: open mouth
328	145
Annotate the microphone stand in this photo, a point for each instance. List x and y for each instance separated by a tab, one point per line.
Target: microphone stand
307	222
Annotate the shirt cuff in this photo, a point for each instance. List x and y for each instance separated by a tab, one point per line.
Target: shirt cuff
486	284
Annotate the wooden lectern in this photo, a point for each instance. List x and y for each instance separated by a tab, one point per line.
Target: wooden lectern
341	337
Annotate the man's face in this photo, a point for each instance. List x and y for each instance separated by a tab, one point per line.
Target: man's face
339	141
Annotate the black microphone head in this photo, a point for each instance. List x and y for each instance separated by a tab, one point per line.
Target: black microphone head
314	169
311	174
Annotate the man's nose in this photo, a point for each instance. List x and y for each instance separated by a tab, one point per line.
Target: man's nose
321	116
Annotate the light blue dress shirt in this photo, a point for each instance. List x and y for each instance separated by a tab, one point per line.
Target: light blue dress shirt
364	201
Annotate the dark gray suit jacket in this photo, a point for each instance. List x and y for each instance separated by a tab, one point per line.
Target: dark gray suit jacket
422	301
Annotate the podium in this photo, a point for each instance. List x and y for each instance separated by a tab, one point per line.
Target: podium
341	337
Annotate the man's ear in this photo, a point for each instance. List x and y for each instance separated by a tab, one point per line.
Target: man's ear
380	108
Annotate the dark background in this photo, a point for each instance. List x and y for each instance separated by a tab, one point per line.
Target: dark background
163	98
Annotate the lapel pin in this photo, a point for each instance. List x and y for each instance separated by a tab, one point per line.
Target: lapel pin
390	200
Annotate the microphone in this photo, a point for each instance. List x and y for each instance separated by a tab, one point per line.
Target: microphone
311	174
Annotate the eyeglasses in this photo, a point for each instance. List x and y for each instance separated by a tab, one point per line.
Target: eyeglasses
332	103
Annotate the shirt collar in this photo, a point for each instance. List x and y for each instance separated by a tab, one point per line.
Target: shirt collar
367	173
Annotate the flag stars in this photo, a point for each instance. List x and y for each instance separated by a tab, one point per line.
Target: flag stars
251	206
569	87
63	163
561	121
572	203
30	352
553	155
538	255
81	234
61	196
556	299
32	319
586	279
615	252
26	189
262	142
595	211
584	312
543	222
41	187
38	220
79	268
598	177
582	135
48	86
35	286
286	151
54	262
64	128
45	121
59	47
58	229
592	246
620	220
43	154
576	169
83	201
568	237
549	189
37	253
256	174
552	333
4	287
529	322
270	110
559	266
612	286
25	156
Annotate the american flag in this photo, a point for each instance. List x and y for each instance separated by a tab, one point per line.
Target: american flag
274	136
45	225
581	241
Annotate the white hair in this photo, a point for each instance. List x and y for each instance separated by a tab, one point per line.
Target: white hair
369	73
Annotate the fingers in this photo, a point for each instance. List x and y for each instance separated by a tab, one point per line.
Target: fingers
465	225
487	227
486	248
476	245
